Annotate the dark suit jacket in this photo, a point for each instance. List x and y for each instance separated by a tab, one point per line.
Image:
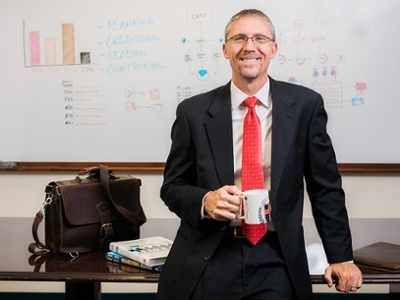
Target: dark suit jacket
201	160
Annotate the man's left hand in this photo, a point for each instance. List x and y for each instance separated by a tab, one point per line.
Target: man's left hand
349	277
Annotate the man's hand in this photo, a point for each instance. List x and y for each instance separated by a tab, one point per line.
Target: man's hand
349	277
223	204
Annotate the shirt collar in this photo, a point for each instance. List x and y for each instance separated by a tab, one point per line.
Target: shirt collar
237	96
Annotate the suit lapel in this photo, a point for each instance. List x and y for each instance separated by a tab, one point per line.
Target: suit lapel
219	131
283	128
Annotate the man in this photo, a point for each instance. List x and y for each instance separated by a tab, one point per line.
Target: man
203	180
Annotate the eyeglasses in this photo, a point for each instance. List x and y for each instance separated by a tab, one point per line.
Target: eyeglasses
242	39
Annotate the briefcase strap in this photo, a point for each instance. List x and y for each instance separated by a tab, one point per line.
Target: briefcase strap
139	218
106	229
37	248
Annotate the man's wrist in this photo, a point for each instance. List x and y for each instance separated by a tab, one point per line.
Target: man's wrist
203	213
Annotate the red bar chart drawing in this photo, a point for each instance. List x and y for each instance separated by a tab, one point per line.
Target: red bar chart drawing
46	48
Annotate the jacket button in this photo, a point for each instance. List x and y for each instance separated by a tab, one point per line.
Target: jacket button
206	258
223	228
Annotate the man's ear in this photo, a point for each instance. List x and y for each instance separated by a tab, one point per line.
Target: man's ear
274	50
225	50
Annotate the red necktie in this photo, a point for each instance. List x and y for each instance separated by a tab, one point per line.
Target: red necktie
252	165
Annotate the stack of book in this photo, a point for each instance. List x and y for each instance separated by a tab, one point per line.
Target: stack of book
131	256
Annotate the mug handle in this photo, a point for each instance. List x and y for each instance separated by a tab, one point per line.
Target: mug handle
240	216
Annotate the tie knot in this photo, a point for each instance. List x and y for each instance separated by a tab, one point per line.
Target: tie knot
250	102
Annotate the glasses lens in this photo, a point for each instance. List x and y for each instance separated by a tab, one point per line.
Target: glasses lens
260	39
239	39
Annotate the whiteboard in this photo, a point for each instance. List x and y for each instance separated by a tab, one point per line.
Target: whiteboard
87	80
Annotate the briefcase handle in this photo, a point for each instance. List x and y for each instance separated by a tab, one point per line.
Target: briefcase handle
94	171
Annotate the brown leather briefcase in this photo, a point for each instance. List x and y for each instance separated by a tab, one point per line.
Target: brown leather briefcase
380	256
87	213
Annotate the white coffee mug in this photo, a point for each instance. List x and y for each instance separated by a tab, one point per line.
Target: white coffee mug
255	207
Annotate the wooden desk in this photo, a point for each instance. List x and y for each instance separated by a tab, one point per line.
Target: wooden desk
83	276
